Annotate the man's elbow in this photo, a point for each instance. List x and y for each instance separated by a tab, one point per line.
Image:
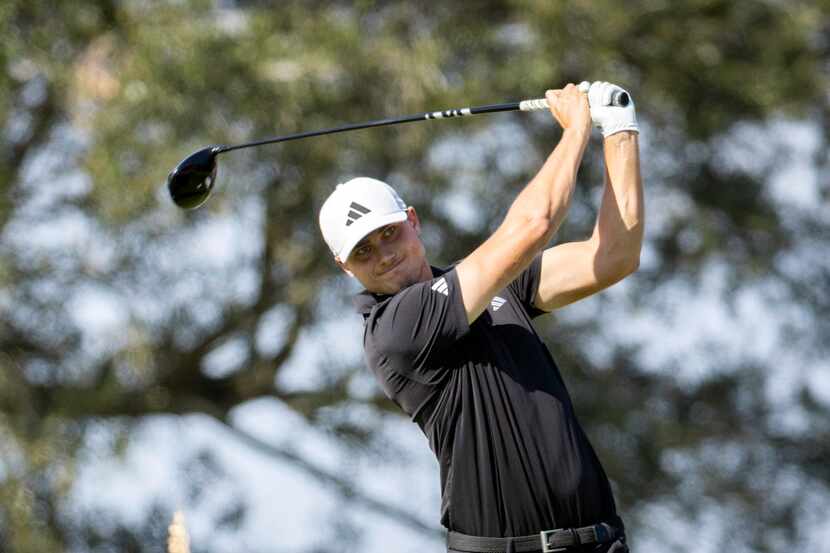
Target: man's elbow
631	265
530	232
539	230
614	268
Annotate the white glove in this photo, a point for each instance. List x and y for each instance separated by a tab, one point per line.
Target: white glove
609	118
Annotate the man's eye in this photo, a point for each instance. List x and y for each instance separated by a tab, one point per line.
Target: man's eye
389	231
362	251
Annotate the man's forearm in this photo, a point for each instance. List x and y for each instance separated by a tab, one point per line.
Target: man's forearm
619	229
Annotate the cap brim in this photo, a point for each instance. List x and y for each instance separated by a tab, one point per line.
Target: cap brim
365	225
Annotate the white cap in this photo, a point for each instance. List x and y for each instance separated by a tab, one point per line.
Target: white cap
355	209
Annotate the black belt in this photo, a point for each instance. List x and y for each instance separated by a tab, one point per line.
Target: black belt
548	541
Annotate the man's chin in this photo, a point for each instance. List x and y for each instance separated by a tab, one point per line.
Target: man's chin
395	281
393	286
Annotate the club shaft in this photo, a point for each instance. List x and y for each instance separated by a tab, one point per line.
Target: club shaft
620	99
427	115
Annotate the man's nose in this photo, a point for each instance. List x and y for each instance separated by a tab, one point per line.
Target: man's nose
387	256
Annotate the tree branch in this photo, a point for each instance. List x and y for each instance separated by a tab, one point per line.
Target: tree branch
344	487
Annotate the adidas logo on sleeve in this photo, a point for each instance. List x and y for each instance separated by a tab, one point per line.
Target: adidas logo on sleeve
441	287
497	302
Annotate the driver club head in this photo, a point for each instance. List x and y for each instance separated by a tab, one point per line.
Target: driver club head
191	182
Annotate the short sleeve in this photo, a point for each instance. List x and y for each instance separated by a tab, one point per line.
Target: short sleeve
526	285
414	328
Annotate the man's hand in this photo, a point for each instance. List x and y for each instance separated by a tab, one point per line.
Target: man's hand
569	106
609	118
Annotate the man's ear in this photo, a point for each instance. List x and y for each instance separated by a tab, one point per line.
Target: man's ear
412	219
343	266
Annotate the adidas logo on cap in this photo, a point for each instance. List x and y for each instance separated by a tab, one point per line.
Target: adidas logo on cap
356	211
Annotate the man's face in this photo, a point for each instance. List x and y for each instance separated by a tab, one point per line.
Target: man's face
390	258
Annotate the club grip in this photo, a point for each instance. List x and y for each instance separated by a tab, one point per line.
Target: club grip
619	98
533	105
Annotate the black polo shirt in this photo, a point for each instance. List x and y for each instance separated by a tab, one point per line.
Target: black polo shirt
514	460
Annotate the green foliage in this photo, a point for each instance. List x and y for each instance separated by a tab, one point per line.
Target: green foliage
100	100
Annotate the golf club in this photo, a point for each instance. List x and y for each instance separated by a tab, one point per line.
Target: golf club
191	182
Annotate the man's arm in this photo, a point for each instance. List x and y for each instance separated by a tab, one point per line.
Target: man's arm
575	270
535	214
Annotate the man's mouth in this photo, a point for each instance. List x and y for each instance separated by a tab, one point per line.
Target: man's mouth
398	262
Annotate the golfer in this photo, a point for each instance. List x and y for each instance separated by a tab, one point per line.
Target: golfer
455	347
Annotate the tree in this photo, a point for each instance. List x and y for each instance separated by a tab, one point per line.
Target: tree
205	309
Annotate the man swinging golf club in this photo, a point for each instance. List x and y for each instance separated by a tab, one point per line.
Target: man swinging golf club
455	348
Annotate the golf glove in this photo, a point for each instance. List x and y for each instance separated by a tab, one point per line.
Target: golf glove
609	118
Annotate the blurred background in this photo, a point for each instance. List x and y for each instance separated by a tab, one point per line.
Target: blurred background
153	360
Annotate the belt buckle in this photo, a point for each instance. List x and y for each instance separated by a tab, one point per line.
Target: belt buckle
546	548
602	533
